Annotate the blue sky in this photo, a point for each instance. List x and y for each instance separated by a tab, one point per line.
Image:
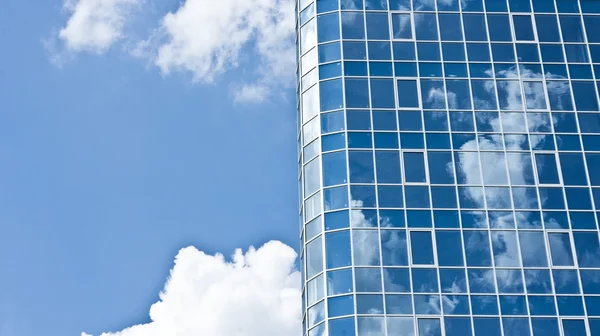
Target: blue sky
115	156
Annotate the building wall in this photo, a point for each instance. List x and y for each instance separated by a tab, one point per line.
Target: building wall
449	167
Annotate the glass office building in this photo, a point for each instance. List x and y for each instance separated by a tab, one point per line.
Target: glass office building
449	167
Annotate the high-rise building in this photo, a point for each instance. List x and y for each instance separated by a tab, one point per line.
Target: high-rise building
449	158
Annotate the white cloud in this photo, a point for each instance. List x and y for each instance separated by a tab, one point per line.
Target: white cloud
205	38
257	294
95	25
251	93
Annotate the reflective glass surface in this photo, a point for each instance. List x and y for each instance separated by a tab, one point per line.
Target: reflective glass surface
449	167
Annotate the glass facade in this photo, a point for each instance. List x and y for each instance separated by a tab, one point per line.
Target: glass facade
449	167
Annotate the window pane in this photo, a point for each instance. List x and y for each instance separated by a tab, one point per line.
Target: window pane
394	248
337	247
523	28
477	248
421	247
407	93
426	26
587	247
414	167
449	248
533	248
353	26
429	327
547	169
574	327
402	26
560	249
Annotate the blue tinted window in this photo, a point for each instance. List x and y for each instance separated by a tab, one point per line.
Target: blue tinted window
394	248
523	27
591	27
355	50
328	27
587	248
329	52
414	167
543	326
428	51
499	27
560	249
337	245
573	169
457	326
449	248
475	28
422	247
477	248
407	93
574	327
450	27
352	4
331	94
339	306
404	51
379	50
426	26
429	327
353	26
572	30
377	26
547	28
344	326
357	93
388	167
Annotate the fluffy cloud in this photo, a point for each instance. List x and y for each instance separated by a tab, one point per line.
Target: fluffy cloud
257	294
205	38
95	25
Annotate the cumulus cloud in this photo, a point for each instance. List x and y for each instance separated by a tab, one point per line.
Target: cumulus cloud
205	38
256	294
95	25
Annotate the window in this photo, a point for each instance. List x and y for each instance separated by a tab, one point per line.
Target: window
421	248
353	26
477	248
523	28
573	327
426	26
365	247
547	28
337	247
402	26
414	167
499	27
572	29
449	248
328	27
378	26
560	249
475	27
429	327
450	27
394	248
361	165
547	170
408	96
587	248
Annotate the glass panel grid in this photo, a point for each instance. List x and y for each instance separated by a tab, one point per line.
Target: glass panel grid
456	167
